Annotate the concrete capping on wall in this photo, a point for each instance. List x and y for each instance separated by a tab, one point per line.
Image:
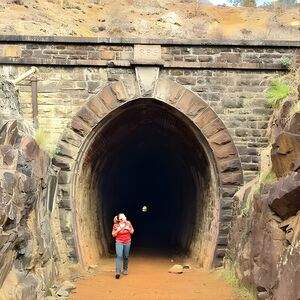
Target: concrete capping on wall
128	63
133	41
179	57
228	164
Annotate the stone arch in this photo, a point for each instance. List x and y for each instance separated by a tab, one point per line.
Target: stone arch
81	129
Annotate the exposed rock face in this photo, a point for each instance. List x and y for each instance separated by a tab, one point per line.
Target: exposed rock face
9	102
284	196
265	234
286	148
28	254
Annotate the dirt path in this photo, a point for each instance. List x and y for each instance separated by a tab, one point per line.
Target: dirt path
148	279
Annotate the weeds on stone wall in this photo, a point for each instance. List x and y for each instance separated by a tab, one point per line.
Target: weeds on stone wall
268	177
277	92
284	86
42	139
242	292
285	61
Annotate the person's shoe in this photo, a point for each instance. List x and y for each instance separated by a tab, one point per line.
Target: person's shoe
117	276
125	272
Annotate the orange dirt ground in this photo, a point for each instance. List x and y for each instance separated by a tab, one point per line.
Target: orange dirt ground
149	279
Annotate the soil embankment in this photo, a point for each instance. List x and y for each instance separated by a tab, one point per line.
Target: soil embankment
157	19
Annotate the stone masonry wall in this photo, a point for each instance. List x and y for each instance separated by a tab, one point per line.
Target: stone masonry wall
232	79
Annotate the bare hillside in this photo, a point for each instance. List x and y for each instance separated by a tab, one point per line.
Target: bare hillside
142	18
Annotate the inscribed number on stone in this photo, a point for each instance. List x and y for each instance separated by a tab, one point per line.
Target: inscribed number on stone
147	53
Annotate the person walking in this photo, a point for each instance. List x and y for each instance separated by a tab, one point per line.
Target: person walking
122	231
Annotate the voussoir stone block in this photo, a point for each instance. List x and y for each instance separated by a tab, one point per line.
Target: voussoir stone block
72	137
235	178
168	91
205	117
229	191
64	177
88	116
220	138
65	217
109	98
80	126
229	165
97	107
65	189
190	104
65	149
120	91
213	127
63	162
132	88
223	151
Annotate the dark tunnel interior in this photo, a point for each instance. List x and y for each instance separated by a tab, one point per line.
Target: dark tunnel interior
152	158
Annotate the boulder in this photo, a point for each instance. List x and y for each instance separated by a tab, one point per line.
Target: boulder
293	125
62	293
292	228
284	196
176	269
285	153
67	286
279	119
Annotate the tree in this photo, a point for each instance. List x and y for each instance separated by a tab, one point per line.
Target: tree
245	3
274	3
248	3
285	3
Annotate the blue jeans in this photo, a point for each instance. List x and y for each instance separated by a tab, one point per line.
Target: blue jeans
122	251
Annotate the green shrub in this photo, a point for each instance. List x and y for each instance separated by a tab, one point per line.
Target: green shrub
285	61
42	139
277	92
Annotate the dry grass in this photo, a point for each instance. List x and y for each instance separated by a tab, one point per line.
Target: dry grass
42	139
242	293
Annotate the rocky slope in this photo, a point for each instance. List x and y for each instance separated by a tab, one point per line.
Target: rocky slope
265	236
29	260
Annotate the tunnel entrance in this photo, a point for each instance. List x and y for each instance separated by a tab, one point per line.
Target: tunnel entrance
147	153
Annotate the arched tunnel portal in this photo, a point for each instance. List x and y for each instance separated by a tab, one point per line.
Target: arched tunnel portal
146	152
